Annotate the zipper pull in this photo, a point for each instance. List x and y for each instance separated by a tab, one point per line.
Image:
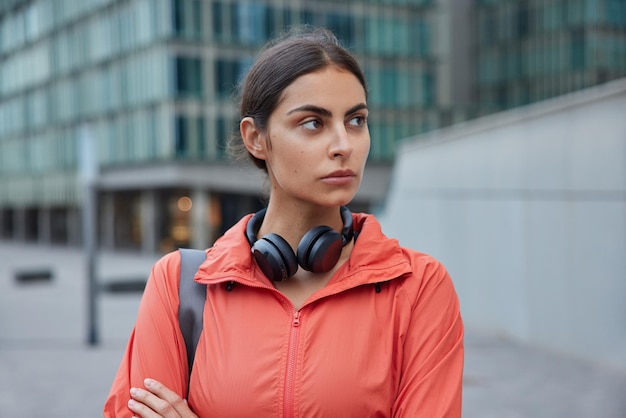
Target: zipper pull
296	319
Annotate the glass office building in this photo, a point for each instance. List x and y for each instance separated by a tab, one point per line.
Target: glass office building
150	83
533	50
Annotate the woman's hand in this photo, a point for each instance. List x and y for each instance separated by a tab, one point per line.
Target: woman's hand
158	401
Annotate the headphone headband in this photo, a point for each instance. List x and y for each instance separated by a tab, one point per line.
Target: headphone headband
347	231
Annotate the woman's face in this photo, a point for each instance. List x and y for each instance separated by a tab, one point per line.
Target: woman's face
318	139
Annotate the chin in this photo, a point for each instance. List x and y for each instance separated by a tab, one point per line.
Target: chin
340	202
329	199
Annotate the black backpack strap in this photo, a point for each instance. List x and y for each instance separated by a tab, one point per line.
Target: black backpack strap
192	296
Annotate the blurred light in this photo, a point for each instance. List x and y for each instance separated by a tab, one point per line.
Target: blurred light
215	214
180	233
185	204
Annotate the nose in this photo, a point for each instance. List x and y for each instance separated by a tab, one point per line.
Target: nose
341	145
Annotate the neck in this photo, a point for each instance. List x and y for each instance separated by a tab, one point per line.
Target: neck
292	224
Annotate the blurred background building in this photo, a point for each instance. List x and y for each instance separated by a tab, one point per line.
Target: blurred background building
151	82
532	50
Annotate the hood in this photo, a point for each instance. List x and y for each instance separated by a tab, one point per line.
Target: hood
375	258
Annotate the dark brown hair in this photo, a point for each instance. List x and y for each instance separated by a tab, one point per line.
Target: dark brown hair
299	51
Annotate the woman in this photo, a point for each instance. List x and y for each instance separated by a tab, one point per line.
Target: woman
358	327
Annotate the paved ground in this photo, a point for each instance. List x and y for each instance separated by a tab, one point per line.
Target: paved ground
47	370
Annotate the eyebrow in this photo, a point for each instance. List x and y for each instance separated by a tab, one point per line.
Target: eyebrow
325	112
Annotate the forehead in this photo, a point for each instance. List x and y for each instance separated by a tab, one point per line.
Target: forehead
328	84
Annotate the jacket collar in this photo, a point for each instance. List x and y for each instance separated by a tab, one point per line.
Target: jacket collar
374	258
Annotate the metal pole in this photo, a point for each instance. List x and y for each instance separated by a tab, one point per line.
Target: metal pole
90	256
88	174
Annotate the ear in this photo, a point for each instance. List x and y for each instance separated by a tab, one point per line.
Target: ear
253	139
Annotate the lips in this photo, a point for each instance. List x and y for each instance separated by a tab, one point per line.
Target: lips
339	177
340	173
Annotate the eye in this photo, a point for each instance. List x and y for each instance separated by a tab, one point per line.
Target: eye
312	124
359	121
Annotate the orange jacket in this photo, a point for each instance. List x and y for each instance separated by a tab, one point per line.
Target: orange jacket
354	349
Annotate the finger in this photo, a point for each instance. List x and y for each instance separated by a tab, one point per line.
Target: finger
140	410
168	395
149	405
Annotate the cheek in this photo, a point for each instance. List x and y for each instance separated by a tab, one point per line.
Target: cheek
299	161
289	160
364	149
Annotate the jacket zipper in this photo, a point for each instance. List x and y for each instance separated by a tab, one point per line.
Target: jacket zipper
292	359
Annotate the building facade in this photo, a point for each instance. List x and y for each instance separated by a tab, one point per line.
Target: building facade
528	51
151	83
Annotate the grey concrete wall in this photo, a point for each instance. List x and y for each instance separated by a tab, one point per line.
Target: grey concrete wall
527	209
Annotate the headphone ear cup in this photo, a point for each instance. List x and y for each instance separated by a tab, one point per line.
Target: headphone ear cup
275	257
319	249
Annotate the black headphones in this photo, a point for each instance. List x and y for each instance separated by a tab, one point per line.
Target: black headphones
318	250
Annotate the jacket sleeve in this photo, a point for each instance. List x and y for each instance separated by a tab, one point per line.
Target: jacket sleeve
432	364
156	348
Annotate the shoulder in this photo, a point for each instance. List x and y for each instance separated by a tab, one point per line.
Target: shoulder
429	279
388	250
164	277
167	265
424	264
422	280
